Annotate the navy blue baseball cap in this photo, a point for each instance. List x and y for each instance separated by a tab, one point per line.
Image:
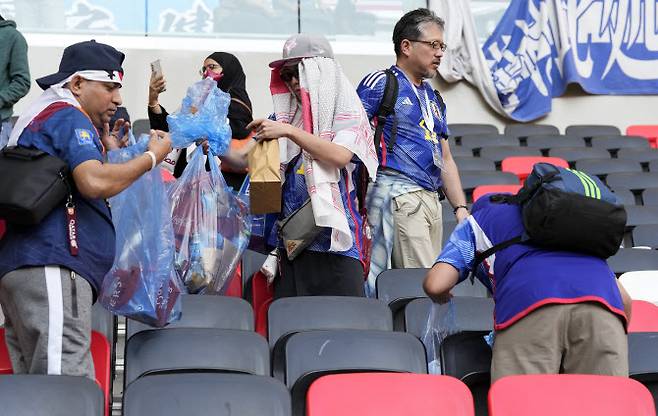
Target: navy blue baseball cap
87	56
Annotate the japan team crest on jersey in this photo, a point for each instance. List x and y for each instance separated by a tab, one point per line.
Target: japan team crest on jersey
84	136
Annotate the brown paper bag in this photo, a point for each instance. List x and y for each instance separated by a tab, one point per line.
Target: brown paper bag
265	177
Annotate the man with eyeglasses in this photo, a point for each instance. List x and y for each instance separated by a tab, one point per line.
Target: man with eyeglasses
416	167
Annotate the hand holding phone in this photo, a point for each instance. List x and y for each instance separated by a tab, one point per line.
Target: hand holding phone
156	71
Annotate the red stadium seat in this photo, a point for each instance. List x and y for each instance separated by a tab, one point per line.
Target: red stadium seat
487	189
569	395
648	131
262	296
388	394
644	317
100	353
521	166
234	285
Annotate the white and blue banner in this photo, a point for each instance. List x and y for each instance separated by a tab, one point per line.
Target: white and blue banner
540	46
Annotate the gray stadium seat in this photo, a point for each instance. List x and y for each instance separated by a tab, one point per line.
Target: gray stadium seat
141	126
398	287
625	196
653	166
461	151
639	155
310	355
633	181
571	154
206	311
206	394
646	235
547	142
471	179
37	395
467	357
471	314
650	196
525	130
633	259
641	215
643	360
488	140
474	163
288	316
602	167
498	153
463	129
196	349
620	142
589	131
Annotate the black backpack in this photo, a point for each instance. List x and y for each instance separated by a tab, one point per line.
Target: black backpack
565	209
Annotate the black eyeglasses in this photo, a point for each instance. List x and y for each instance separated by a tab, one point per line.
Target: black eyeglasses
435	44
288	73
211	67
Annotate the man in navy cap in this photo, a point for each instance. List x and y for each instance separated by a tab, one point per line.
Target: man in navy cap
50	273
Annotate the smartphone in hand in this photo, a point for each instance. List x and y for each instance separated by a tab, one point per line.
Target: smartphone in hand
156	69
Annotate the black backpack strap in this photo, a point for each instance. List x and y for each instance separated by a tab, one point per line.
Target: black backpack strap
479	257
387	108
442	108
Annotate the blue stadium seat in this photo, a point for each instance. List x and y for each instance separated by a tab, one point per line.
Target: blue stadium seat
37	395
196	350
206	394
288	316
206	311
311	355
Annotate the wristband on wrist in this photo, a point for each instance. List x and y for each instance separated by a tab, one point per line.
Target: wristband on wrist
454	211
154	161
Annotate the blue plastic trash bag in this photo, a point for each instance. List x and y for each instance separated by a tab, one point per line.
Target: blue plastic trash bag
202	116
212	227
142	284
440	324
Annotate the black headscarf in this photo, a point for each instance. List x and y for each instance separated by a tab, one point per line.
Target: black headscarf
234	82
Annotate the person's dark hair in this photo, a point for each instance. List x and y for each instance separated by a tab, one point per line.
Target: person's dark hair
408	27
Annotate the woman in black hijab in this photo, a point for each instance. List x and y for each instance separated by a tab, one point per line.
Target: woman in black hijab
226	69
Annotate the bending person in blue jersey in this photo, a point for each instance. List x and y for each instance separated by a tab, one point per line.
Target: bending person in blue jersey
323	135
555	311
50	273
416	166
